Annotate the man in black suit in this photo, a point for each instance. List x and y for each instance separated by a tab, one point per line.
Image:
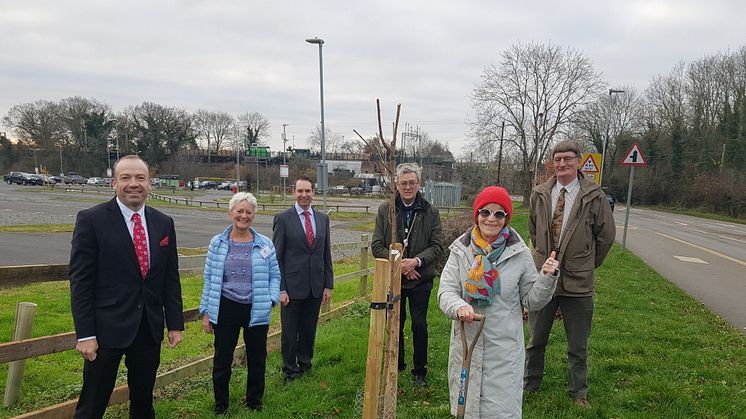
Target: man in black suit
301	237
124	282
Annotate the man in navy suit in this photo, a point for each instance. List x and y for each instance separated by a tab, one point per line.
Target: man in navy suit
124	285
301	237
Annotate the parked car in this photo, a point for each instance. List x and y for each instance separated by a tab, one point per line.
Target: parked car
356	190
104	181
208	184
56	179
14	177
48	179
225	186
338	190
611	200
74	178
92	180
34	179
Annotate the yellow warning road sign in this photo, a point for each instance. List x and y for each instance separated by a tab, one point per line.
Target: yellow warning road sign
591	166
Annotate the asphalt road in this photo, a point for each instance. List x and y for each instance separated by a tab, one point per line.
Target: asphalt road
705	258
28	205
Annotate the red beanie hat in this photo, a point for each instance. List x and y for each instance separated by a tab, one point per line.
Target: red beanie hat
494	195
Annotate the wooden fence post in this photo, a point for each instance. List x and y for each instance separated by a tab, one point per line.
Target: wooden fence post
381	279
391	365
25	313
364	265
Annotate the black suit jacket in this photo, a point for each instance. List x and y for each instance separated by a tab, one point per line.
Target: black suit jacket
108	294
306	271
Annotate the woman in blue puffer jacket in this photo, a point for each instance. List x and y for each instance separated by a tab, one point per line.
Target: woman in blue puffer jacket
241	285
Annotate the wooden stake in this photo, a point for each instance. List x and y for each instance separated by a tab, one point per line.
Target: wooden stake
391	365
381	279
364	264
25	313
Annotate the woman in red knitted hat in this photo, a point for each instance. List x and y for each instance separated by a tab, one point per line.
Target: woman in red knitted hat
490	271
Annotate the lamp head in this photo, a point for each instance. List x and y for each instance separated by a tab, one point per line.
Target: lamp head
615	91
317	41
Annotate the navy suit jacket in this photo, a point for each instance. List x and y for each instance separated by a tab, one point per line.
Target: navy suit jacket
108	294
306	270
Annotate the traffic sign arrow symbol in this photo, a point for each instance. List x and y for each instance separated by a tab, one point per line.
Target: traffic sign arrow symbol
634	157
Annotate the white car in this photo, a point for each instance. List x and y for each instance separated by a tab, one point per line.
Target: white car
92	180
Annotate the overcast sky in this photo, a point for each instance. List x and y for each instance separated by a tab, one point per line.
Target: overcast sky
251	56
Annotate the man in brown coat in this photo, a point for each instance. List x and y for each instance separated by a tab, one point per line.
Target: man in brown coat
570	215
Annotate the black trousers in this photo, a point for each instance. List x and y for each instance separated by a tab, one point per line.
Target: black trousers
299	321
418	301
142	358
232	317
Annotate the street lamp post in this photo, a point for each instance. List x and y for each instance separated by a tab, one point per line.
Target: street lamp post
606	140
284	161
36	164
322	166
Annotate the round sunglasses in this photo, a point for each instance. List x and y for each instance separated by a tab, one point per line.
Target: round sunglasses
498	214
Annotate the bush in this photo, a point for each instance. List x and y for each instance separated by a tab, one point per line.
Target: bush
453	226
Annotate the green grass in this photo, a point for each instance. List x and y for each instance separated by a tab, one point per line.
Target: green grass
695	213
38	228
654	353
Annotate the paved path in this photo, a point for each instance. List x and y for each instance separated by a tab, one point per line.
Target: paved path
705	258
28	205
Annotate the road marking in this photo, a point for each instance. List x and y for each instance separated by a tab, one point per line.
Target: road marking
689	259
679	222
704	249
731	238
698	231
630	226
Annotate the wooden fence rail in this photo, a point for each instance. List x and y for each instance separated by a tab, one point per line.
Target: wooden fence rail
14	276
45	345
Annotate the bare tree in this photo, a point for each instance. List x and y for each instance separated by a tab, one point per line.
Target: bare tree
536	89
333	142
606	120
161	130
215	128
253	128
38	124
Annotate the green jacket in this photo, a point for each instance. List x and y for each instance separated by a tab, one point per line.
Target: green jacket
588	236
425	238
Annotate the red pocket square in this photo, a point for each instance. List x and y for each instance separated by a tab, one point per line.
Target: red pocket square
164	242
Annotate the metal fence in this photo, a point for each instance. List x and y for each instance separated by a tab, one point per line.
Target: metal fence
443	194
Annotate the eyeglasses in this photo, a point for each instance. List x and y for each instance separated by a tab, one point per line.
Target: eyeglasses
498	214
569	159
411	184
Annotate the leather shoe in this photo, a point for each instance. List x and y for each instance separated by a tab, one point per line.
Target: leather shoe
220	410
582	403
419	381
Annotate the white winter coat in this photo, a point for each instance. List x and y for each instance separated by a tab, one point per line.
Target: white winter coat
496	373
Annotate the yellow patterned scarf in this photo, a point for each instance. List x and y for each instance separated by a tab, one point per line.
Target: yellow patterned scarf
482	279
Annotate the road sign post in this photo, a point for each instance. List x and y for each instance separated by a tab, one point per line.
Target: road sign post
632	159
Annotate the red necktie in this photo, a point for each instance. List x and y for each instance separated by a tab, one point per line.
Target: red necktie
309	229
141	245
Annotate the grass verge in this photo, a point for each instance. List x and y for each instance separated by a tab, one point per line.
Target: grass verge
38	228
654	353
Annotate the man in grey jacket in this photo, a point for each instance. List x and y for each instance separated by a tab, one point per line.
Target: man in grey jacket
569	214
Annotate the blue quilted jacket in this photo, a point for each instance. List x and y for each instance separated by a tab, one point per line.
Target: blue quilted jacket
265	278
